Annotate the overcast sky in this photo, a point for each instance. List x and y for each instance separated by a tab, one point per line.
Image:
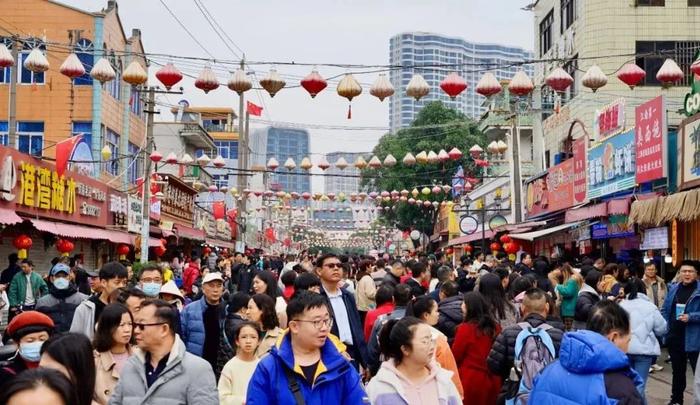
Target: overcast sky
320	31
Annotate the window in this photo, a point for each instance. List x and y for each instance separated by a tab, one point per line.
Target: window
568	14
112	141
652	54
220	180
227	149
30	137
85	50
4	133
546	32
26	76
114	87
571	67
548	98
653	3
136	103
693	3
83	128
135	165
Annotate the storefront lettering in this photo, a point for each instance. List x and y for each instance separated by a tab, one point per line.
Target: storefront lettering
612	165
42	188
610	120
90	210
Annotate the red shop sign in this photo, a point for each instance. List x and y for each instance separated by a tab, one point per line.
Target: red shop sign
580	180
650	140
609	121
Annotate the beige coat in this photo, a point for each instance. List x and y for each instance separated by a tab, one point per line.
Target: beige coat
366	290
106	376
661	289
268	342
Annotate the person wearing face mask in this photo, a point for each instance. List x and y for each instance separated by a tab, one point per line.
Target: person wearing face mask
150	280
63	298
29	330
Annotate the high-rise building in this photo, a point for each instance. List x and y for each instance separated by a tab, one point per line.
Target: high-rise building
345	185
421	48
282	143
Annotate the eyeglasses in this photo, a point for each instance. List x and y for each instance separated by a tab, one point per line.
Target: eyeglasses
142	326
319	323
333	265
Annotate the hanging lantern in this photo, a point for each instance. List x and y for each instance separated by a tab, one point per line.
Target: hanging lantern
415	192
219	161
289	164
64	247
417	87
36	61
631	75
360	163
273	164
501	147
695	67
314	83
273	82
505	239
134	74
6	59
72	67
155	156
433	157
295	195
427	204
169	75
171	158
323	164
443	156
106	153
102	71
22	243
488	85
381	88
422	157
306	195
341	163
492	147
559	80
122	251
476	151
349	88
594	78
404	193
375	163
159	251
520	85
455	154
468	249
206	81
425	191
453	85
306	164
203	160
495	247
437	190
186	159
239	82
212	188
669	73
389	161
409	159
446	189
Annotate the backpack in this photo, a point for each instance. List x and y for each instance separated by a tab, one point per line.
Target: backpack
534	350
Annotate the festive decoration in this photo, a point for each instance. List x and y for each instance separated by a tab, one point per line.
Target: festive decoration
238	82
409	159
6	59
159	251
106	153
559	80
36	61
169	75
273	82
381	88
212	188
495	247
375	163
349	88
468	249
273	164
314	83
417	87
102	71
203	160
453	85
631	75
422	157
71	67
306	164
455	154
520	84
207	81
288	164
219	161
323	163
594	78
341	163
186	159
488	85
501	147
123	250
669	73
695	67
171	158
134	74
360	163
476	151
155	156
443	156
64	247
389	161
505	239
511	247
22	243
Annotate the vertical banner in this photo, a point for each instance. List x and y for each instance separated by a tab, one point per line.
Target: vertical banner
580	182
650	140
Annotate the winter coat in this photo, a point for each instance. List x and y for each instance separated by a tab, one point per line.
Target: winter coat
445	358
590	370
388	387
366	290
416	288
336	381
192	325
232	320
211	261
106	376
646	322
374	360
186	379
268	342
692	308
568	292
356	327
661	290
190	275
60	305
372	316
450	315
84	319
502	353
18	288
245	278
587	298
470	349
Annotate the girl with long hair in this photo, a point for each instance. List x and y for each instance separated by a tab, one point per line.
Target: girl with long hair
265	283
112	343
261	311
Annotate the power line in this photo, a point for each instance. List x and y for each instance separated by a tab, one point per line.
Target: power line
184	27
221	29
216	31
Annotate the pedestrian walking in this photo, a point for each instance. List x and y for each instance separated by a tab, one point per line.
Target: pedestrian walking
261	311
25	289
63	298
29	330
233	383
112	344
41	386
71	354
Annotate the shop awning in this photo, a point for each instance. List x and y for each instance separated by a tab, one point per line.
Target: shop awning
9	217
71	231
470	238
589	212
189	233
152	242
620	206
530	236
221	243
117	236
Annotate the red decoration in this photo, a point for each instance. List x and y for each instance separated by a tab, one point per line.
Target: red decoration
559	80
156	156
219	209
64	246
449	251
453	85
695	68
505	239
488	85
669	73
206	250
159	251
22	243
169	75
520	84
511	247
495	246
631	74
206	81
123	250
314	83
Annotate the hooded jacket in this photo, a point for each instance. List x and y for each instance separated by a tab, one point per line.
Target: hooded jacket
590	370
646	322
336	382
389	387
587	298
450	316
60	305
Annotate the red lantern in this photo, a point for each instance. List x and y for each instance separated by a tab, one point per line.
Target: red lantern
559	80
169	75
314	83
468	249
206	250
453	85
159	251
64	246
449	251
695	68
22	243
495	246
122	251
505	239
511	247
631	74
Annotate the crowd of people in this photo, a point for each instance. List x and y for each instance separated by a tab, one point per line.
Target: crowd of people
328	329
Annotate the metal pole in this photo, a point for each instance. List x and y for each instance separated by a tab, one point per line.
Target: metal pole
240	237
12	113
483	229
145	226
517	187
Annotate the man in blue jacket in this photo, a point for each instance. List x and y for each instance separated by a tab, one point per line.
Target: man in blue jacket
305	367
682	312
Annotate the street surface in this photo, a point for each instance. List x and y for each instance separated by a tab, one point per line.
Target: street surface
659	384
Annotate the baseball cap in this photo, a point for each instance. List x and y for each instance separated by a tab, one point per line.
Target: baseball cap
60	268
212	276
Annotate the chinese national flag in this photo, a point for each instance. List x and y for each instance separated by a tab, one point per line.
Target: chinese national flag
63	151
254	109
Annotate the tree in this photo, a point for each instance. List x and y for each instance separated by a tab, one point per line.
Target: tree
436	127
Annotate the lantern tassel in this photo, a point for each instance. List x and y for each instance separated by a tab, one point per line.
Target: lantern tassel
349	111
22	254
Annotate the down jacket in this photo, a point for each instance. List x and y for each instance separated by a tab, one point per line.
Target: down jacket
502	353
646	323
450	316
587	298
192	325
692	308
60	305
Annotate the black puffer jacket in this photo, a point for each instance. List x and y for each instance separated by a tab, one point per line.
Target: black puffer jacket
586	300
60	305
450	315
502	353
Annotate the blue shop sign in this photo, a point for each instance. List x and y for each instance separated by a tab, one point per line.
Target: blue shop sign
611	165
616	226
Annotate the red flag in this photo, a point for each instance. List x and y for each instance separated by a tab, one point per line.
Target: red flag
63	151
254	109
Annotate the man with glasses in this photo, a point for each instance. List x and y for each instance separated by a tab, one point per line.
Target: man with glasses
347	324
150	280
682	312
161	369
306	362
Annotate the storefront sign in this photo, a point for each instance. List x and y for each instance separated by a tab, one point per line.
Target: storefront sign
611	165
119	208
616	226
178	201
135	215
609	121
468	224
691	105
580	184
690	152
554	191
655	238
651	135
33	187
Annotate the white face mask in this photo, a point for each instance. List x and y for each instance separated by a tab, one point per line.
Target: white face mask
61	283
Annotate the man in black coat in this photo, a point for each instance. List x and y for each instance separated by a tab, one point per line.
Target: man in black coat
534	310
419	275
449	310
393	275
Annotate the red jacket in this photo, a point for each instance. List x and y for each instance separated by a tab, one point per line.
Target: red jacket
372	316
190	275
471	348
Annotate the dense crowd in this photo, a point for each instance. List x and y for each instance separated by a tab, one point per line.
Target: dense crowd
326	329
